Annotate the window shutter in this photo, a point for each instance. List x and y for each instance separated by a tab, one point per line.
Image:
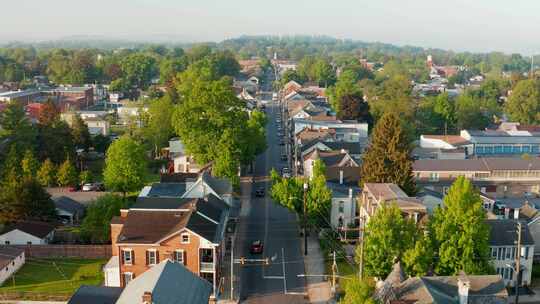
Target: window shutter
132	257
157	257
147	257
184	258
121	257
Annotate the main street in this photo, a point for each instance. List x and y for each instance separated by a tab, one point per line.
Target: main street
262	219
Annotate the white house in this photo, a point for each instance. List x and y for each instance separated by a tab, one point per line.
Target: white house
343	210
182	162
111	272
503	245
11	259
27	233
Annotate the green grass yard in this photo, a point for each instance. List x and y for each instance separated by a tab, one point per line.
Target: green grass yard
55	275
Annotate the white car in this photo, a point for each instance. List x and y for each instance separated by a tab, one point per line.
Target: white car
88	187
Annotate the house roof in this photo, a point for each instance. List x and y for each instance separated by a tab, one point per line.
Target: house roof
149	227
308	134
219	185
178	177
504	233
170	283
206	217
69	205
478	164
454	140
444	289
331	158
167	190
8	254
144	202
87	294
37	229
385	191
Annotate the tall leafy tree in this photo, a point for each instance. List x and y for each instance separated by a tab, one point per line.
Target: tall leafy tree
138	69
387	159
46	174
418	260
524	104
158	129
387	236
29	164
23	199
460	233
125	166
358	291
95	227
67	174
469	113
346	85
353	107
79	132
15	126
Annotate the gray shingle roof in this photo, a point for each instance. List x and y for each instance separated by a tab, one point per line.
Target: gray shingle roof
95	295
169	283
167	189
504	233
69	205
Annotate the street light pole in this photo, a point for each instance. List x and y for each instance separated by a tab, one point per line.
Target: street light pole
305	219
518	262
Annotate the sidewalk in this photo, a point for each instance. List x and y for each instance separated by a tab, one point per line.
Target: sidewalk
319	291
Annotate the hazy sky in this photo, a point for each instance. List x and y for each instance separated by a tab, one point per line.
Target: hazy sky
475	25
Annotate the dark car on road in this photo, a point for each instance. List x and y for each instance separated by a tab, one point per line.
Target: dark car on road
259	192
256	247
283	157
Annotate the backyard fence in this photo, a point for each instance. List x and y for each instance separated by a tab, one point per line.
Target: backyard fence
66	251
33	296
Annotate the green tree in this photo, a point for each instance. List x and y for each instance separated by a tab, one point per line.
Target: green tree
138	69
524	104
358	291
125	166
419	259
387	236
96	225
46	174
158	129
346	85
11	167
387	159
169	68
16	128
460	233
25	199
469	113
67	174
80	134
353	107
29	164
55	141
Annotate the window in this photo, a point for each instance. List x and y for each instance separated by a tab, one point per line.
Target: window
434	176
499	253
494	252
185	238
28	243
341	207
179	256
527	252
498	149
7	242
503	253
128	276
151	257
127	256
508	253
516	149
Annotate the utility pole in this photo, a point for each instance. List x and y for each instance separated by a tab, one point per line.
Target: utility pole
334	270
232	269
305	218
361	240
518	262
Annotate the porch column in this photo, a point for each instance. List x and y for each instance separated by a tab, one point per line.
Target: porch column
215	270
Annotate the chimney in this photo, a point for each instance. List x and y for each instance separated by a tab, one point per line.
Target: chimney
147	297
516	214
463	288
341	177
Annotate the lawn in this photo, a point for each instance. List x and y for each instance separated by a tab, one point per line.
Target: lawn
55	275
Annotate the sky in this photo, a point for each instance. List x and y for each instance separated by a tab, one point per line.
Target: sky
461	25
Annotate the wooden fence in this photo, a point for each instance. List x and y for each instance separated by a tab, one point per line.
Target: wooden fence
33	296
67	251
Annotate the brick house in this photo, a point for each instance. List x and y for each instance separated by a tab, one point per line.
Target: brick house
498	177
185	230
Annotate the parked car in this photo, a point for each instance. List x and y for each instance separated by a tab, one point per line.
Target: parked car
284	157
74	188
93	187
256	247
259	192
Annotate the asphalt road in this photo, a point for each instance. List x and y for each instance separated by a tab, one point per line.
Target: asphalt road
264	220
